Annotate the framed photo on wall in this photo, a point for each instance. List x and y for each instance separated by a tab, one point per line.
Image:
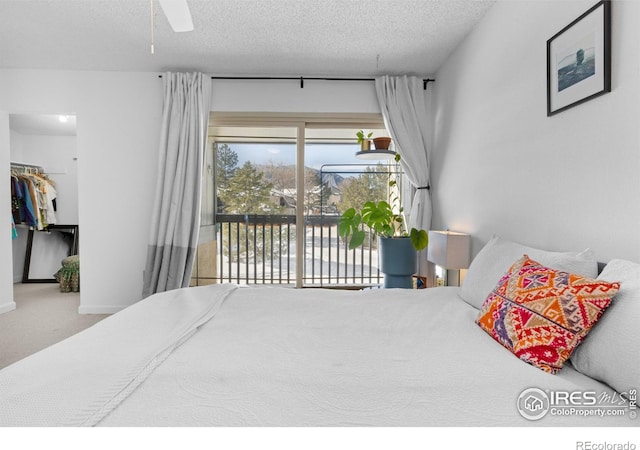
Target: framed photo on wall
579	60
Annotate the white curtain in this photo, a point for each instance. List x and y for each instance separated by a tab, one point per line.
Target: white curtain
403	102
404	105
175	219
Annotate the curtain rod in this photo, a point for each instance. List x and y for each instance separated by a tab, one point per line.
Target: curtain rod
425	81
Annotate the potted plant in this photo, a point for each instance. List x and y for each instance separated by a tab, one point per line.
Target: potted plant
69	275
382	143
364	139
398	248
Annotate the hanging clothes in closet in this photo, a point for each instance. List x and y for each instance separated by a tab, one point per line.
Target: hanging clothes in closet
33	198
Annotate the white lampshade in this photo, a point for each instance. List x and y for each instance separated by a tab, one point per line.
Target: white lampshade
449	249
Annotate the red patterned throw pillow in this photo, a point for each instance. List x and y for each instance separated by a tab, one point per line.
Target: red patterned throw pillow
541	314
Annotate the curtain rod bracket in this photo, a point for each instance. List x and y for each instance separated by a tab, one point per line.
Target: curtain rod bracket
425	82
301	82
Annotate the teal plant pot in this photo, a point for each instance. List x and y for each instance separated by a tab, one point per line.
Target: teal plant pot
398	262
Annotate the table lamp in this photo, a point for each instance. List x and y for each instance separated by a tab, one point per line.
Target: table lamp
450	250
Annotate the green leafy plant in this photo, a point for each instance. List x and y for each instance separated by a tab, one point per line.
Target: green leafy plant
362	136
381	219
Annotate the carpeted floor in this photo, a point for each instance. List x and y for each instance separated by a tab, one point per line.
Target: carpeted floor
43	316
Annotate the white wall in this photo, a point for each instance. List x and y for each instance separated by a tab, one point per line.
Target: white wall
15	146
287	96
500	165
118	123
118	119
6	279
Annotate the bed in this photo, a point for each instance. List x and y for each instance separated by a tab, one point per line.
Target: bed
226	355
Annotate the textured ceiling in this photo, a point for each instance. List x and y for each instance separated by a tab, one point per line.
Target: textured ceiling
239	37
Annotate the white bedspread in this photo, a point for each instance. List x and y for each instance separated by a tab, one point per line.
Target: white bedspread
80	380
283	357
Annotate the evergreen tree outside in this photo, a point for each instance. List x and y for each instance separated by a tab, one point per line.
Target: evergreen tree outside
248	192
226	166
369	186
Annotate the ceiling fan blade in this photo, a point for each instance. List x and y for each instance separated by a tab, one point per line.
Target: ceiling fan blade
178	14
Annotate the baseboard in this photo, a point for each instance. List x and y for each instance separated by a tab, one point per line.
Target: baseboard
6	307
104	309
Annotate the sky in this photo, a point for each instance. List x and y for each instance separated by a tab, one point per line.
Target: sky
316	155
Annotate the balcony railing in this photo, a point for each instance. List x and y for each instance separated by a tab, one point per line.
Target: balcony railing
261	249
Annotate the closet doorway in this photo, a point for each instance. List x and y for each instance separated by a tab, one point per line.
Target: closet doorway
43	147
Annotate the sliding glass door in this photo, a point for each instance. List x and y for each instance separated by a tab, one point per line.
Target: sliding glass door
272	197
336	181
254	206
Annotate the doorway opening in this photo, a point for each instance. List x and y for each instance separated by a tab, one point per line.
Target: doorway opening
44	195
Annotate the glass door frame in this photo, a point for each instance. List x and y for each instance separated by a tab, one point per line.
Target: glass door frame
299	121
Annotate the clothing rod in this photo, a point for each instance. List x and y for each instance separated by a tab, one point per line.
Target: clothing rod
13	163
425	81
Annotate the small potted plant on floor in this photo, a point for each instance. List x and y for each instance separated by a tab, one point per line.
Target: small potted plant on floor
69	274
398	247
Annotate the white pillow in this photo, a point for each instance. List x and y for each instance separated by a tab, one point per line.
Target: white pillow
497	256
610	352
